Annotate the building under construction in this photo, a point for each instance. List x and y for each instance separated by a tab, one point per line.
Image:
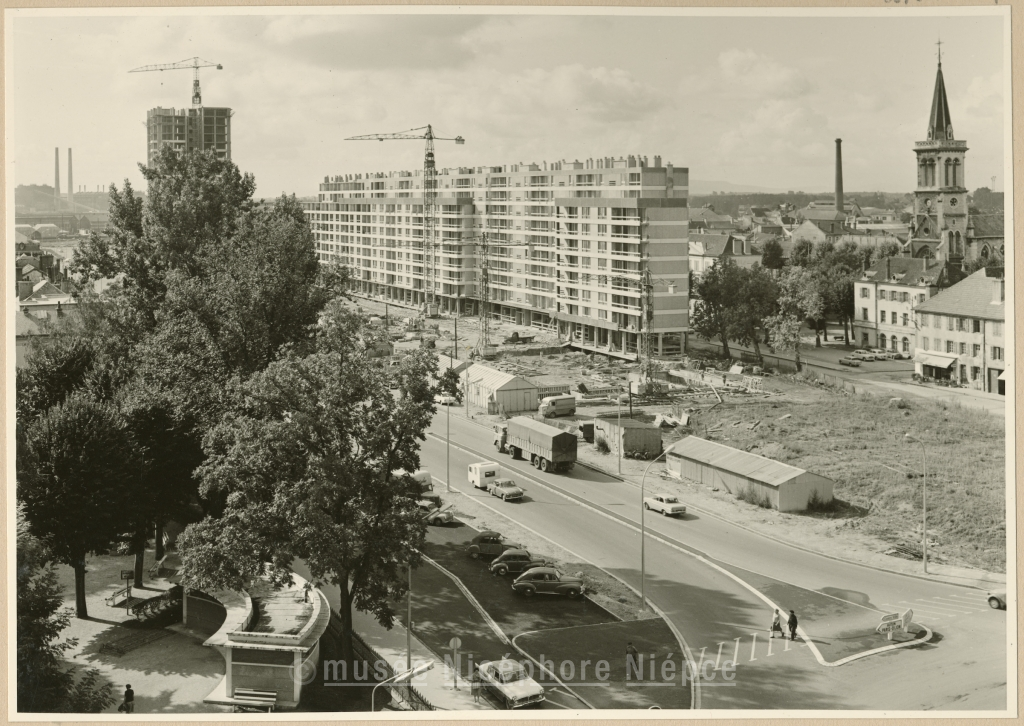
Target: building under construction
189	129
588	246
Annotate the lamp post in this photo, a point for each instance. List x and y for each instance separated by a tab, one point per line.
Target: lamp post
618	443
643	530
411	673
924	500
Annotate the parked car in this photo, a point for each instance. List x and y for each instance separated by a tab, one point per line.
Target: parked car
507	489
515	561
877	352
509	682
861	354
547	581
490	544
997	600
433	514
668	505
445	400
852	362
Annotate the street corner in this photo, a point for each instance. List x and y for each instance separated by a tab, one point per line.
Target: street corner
854	645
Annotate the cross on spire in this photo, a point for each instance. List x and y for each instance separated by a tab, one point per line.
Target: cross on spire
939	44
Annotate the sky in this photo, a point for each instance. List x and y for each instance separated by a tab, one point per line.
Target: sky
749	100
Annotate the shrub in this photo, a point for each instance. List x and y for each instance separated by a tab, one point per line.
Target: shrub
602	445
747	494
816	504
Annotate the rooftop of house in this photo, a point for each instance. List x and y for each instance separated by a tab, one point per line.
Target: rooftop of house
704	214
822	215
980	295
984	225
708	245
904	271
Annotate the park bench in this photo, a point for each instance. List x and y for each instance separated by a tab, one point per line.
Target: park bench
251	698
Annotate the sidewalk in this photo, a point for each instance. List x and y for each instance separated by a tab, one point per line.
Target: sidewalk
436	684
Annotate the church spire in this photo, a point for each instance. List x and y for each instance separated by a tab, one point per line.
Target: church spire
940	126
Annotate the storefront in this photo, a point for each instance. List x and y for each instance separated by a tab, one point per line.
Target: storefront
933	365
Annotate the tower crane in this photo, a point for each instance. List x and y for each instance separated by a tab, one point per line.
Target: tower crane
429	194
194	63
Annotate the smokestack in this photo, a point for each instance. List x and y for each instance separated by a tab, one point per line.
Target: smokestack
56	177
71	186
839	176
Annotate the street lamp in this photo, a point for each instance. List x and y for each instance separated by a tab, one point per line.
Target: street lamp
411	673
643	529
924	500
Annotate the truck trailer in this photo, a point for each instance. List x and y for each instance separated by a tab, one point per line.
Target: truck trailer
546	447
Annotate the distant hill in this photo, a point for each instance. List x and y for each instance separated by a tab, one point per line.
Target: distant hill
707	186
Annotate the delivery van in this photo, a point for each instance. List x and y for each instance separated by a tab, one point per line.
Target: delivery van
557	406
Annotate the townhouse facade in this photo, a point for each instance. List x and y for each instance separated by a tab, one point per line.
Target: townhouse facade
962	334
567	246
887	296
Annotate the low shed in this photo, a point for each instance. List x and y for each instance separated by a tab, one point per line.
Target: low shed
636	437
497	391
788	488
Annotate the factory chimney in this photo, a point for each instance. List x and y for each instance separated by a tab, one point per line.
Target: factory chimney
839	176
71	186
56	178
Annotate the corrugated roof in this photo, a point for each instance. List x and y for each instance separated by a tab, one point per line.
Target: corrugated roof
970	298
733	460
495	380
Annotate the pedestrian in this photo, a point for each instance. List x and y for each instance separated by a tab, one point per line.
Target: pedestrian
475	686
792	625
777	625
632	659
129	699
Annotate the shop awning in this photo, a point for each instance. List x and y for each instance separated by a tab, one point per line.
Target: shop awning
935	361
1002	376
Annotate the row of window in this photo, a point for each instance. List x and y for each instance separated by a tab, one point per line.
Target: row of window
963	325
954	348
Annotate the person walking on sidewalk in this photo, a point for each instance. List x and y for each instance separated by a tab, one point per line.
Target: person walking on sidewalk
792	625
632	660
777	625
475	686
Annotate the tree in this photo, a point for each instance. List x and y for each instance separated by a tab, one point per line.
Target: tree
306	458
888	248
772	257
717	290
45	685
758	301
802	252
77	471
798	299
56	366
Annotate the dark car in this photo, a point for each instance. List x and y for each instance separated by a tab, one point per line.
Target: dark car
547	581
490	545
515	561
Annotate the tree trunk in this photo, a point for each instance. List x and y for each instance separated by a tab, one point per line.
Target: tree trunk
817	333
159	540
140	555
757	350
796	352
725	343
847	324
345	611
81	611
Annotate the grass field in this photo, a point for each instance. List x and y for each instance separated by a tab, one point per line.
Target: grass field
858	441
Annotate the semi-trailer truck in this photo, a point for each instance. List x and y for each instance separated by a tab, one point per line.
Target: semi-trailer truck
546	447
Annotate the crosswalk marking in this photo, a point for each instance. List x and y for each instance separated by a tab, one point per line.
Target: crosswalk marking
940	606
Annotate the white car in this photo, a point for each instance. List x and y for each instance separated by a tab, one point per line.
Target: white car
668	505
445	400
862	354
508	680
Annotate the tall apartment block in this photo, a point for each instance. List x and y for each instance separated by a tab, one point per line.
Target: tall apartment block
567	245
189	129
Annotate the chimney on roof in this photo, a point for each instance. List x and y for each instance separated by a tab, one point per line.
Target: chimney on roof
839	176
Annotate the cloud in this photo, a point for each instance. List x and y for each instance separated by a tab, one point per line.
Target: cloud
761	76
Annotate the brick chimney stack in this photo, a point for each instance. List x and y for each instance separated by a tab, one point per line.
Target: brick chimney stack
71	188
56	177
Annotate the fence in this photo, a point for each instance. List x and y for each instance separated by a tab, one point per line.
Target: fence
405	692
784	365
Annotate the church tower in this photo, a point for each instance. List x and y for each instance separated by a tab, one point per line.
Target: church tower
940	201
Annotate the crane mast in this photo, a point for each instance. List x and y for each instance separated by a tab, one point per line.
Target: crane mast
429	200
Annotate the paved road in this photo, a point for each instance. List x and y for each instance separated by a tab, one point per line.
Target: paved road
710	577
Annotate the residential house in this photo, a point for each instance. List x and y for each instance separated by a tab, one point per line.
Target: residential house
707	219
886	296
42	299
961	333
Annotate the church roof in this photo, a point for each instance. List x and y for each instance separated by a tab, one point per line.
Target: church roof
985	225
940	125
